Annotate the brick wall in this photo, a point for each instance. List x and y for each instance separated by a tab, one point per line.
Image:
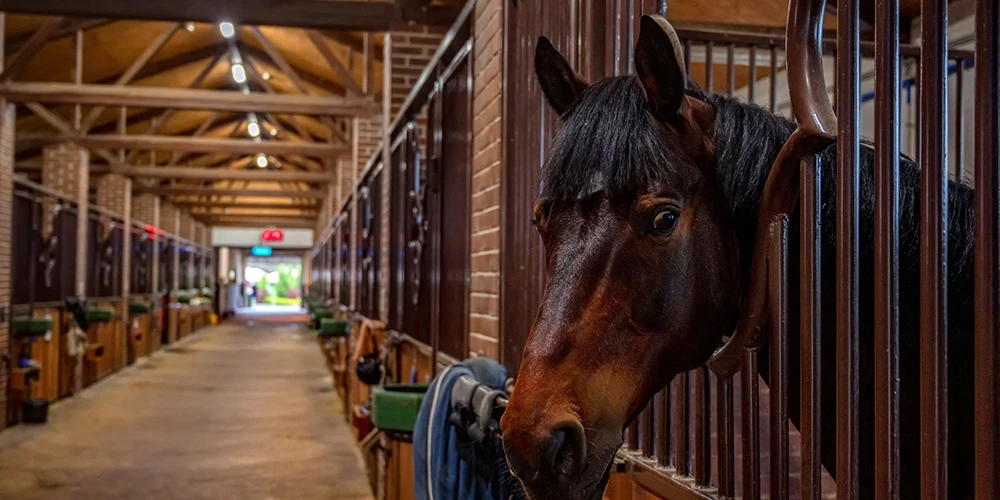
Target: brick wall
111	192
66	168
169	218
186	225
144	208
7	115
484	300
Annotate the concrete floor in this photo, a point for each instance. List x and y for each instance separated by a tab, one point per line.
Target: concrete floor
235	411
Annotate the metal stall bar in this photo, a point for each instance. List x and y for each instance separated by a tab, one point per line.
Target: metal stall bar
987	257
848	188
777	264
701	459
934	250
681	426
887	149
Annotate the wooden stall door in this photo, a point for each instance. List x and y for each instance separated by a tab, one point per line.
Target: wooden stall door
451	129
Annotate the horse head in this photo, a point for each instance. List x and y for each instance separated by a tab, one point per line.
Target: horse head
642	271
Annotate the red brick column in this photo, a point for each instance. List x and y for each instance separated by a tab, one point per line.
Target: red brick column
484	300
114	192
7	115
66	168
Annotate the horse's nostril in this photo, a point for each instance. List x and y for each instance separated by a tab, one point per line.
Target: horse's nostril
566	451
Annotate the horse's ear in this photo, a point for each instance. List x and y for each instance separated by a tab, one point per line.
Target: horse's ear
659	62
561	85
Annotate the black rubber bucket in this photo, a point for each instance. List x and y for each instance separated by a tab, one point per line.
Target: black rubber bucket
35	411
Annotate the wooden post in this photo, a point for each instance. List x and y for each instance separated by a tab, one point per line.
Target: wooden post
126	269
7	119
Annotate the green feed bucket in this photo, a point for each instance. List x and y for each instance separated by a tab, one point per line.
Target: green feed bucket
100	314
139	307
32	326
329	327
395	407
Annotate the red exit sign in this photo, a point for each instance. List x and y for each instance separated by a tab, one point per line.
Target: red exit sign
272	235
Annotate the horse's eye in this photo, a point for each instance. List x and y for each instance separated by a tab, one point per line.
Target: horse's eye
665	221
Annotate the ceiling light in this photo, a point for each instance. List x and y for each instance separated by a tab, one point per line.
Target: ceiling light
261	161
266	76
239	74
227	29
189	26
273	131
253	129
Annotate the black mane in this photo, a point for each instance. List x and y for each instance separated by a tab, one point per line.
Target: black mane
609	142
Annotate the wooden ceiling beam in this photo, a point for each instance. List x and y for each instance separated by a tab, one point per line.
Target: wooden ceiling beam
68	28
351	15
259	79
37	40
219	174
315	194
333	86
132	70
345	75
196	144
168	98
351	41
63	127
269	203
180	60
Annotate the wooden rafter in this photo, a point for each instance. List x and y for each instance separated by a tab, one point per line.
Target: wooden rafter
175	143
355	43
167	98
180	60
132	70
259	79
68	28
330	85
157	123
214	191
345	75
356	15
286	68
20	58
234	203
167	172
58	123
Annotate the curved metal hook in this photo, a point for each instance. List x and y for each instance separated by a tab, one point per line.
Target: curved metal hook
817	125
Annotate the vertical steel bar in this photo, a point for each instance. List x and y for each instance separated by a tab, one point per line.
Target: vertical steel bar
959	131
709	67
687	56
661	429
726	437
848	186
987	258
702	459
730	69
810	326
750	414
934	250
647	432
774	79
681	424
778	304
752	80
632	434
887	250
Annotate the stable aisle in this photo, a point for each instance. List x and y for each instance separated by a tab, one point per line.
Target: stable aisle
233	412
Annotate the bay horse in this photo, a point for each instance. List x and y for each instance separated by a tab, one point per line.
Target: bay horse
647	211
